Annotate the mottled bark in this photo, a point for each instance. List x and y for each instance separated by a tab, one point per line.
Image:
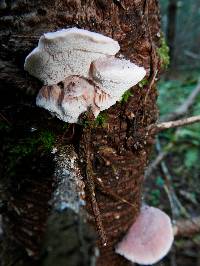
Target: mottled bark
116	152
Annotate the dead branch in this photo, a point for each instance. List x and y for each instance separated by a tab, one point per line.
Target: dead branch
187	227
180	111
184	107
173	124
158	160
192	55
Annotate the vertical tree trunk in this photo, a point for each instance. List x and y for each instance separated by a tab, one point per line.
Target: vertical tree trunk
171	28
116	153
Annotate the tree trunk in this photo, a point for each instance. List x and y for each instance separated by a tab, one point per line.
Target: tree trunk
116	152
171	28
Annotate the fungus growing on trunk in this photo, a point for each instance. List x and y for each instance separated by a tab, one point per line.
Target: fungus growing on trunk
115	75
68	99
71	97
89	74
67	52
149	239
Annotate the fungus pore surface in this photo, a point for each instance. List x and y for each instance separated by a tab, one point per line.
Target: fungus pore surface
149	239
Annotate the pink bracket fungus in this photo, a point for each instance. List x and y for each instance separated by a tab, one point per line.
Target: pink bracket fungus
84	63
149	239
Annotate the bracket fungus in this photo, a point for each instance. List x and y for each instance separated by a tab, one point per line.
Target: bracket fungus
67	52
149	239
116	75
80	71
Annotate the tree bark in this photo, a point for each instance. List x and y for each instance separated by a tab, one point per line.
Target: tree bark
117	152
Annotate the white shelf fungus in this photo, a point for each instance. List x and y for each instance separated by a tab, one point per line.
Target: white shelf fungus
149	239
85	63
115	75
67	52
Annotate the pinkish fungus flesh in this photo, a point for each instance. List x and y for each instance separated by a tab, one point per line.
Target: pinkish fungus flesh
149	239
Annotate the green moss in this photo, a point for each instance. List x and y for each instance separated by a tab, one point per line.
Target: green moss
47	139
86	123
126	96
98	122
143	83
27	146
101	119
163	53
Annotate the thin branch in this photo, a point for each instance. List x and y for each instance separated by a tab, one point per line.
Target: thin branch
180	111
91	189
154	164
94	204
110	193
5	119
192	55
173	124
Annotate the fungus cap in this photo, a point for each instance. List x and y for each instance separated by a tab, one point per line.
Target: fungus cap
79	39
84	62
115	75
67	52
149	239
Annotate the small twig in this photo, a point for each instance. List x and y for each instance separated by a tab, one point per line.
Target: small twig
180	111
5	119
192	55
110	193
154	164
91	188
95	207
151	82
173	124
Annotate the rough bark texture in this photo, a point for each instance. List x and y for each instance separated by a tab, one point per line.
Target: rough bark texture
116	152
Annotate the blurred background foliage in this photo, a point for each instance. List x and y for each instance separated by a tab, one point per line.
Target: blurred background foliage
187	31
179	171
